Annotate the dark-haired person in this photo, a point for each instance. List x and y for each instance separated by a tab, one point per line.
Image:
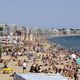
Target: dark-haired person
75	75
24	65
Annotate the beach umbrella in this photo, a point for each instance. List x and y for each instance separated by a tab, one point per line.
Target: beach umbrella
78	60
73	56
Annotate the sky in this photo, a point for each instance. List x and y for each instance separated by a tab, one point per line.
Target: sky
41	13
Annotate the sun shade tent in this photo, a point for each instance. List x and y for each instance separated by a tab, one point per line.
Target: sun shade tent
38	76
78	61
73	56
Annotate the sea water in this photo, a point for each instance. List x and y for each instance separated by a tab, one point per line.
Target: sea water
68	42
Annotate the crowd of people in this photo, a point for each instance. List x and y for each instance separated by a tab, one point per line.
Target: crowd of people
44	58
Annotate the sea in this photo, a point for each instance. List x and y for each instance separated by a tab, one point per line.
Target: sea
67	42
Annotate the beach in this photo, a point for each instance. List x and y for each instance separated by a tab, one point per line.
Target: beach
50	58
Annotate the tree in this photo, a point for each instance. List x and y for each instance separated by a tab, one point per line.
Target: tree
1	29
0	53
18	33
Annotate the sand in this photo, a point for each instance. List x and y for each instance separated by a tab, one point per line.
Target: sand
18	69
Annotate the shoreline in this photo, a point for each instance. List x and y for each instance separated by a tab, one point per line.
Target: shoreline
60	35
61	46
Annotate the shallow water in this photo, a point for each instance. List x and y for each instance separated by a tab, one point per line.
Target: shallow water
68	42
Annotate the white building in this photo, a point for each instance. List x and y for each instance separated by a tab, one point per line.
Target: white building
78	31
55	31
13	29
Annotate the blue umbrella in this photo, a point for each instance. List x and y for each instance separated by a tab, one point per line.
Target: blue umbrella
78	60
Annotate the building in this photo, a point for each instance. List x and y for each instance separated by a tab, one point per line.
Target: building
77	31
13	29
39	31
